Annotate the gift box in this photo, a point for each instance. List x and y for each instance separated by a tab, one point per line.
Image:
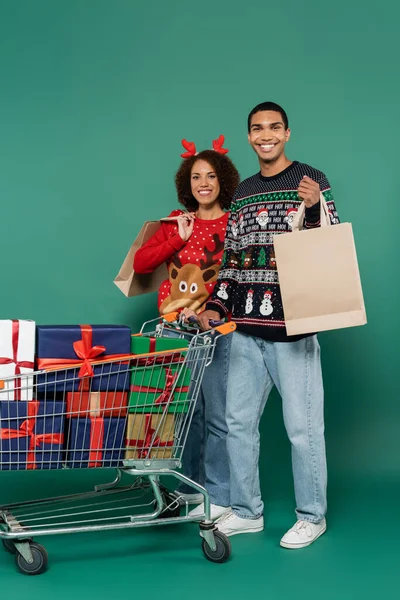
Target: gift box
17	352
95	442
160	380
150	436
141	344
61	346
31	435
155	388
96	404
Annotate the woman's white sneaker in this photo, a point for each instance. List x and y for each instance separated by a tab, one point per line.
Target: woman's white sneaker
302	534
215	511
231	524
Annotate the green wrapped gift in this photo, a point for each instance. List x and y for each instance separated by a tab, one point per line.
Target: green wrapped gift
152	384
141	344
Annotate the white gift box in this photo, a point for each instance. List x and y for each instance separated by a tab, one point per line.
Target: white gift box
17	355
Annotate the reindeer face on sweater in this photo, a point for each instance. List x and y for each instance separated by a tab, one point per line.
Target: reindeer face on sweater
188	282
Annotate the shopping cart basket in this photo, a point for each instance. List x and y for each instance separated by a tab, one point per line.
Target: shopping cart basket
133	415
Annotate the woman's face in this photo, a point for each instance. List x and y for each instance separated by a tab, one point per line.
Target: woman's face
204	183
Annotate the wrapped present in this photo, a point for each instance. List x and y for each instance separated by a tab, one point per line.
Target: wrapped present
150	436
31	435
61	346
159	380
156	387
141	344
17	352
96	404
95	442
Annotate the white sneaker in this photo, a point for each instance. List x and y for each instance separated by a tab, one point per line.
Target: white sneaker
215	511
231	524
302	534
188	498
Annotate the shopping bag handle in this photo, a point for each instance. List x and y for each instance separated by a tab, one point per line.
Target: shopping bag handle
298	220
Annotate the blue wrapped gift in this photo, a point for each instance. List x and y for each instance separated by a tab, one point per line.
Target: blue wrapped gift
59	346
95	442
31	435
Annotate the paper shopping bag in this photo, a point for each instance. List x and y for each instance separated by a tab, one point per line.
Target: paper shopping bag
319	276
134	284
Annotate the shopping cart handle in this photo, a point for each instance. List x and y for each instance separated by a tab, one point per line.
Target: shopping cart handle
213	323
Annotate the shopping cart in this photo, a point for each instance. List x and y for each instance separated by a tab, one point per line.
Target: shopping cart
70	424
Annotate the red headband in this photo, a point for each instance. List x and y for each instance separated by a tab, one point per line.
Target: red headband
191	148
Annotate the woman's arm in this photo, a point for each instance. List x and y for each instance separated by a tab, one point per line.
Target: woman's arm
159	248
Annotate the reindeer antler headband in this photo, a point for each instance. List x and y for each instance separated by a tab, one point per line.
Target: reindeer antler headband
191	148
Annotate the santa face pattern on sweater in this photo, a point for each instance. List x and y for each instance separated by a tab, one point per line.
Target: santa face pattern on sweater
265	207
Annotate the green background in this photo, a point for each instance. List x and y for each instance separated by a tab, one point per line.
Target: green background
95	97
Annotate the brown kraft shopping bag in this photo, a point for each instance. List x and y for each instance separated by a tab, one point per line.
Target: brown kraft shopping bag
134	284
319	276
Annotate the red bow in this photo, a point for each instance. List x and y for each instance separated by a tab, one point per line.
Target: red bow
14	360
27	431
166	396
150	442
84	350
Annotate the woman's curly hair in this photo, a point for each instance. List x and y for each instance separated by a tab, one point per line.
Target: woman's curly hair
227	174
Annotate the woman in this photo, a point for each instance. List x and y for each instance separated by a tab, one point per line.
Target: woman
191	244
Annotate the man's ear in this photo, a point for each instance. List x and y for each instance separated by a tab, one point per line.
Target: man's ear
288	132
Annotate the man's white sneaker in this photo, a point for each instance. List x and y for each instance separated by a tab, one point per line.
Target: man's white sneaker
188	498
231	524
302	534
215	511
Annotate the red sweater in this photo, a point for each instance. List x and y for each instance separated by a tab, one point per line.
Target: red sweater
193	266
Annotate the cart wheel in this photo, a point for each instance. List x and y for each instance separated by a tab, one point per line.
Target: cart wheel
223	550
172	511
9	546
39	564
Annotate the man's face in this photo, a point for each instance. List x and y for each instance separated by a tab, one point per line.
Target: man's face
268	135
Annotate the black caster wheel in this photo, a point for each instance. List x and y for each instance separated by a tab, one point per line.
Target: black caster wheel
39	563
8	546
171	511
223	550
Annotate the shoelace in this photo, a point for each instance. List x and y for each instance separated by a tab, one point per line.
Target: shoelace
303	525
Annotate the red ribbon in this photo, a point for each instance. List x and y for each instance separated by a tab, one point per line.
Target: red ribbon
152	360
96	442
85	351
14	360
166	392
149	443
27	430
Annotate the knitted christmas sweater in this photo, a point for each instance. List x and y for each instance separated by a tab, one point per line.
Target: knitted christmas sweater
248	284
193	266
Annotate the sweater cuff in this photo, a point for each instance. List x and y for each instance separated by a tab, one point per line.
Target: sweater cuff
176	242
219	308
313	214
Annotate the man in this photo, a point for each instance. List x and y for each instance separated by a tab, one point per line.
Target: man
262	353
